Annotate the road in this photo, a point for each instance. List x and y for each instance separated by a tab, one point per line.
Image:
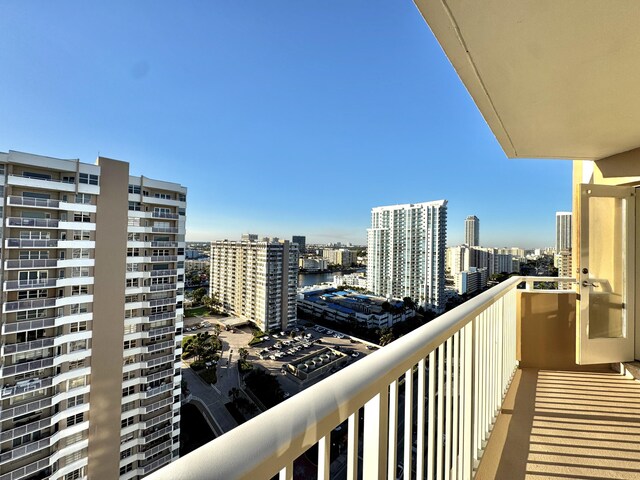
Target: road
211	399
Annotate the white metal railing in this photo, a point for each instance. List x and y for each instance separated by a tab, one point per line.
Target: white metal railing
437	390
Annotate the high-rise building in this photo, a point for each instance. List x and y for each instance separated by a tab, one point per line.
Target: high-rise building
256	281
472	231
563	231
406	247
301	240
92	271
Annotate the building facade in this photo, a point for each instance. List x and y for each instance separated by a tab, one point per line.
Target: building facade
563	231
470	281
85	259
340	256
472	231
301	240
406	250
256	280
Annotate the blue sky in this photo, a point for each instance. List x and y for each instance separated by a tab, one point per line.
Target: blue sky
281	117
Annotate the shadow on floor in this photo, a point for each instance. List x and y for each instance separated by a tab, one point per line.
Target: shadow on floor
566	424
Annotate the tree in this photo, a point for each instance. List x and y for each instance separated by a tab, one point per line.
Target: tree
243	353
386	336
408	303
198	293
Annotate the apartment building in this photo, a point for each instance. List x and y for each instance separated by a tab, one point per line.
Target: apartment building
91	319
301	240
256	280
406	249
472	231
563	231
340	256
470	281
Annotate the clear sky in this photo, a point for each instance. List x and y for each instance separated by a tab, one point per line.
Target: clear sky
281	117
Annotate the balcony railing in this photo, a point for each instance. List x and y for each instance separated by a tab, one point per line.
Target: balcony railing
31	243
27	470
32	222
164	229
9	349
164	273
442	385
30	284
164	215
31	263
33	202
29	304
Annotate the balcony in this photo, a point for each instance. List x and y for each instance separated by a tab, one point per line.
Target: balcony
32	222
500	365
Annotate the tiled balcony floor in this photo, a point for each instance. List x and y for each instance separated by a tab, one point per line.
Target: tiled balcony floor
566	425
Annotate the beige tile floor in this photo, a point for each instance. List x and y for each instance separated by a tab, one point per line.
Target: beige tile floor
566	425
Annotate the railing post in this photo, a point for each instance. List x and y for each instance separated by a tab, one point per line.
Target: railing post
468	413
374	455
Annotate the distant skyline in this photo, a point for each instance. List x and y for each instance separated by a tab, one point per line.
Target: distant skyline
294	118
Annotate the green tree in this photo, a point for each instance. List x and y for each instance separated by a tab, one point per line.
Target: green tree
243	353
386	336
198	294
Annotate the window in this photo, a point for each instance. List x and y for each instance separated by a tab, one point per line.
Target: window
76	383
126	468
182	197
80	290
79	308
34	254
75	475
80	272
134	206
88	178
128	391
77	327
36	175
81	235
131	313
81	217
131	282
133	252
130	298
129	360
68	179
77	345
129	344
125	453
133	267
74	365
29	294
129	406
31	315
74	401
75	419
84	198
80	253
134	189
134	237
127	422
164	196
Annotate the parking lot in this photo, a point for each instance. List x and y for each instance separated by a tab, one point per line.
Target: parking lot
275	351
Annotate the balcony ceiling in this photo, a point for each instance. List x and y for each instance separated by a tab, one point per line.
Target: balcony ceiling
552	78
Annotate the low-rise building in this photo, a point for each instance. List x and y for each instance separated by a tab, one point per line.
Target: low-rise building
352	307
470	281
